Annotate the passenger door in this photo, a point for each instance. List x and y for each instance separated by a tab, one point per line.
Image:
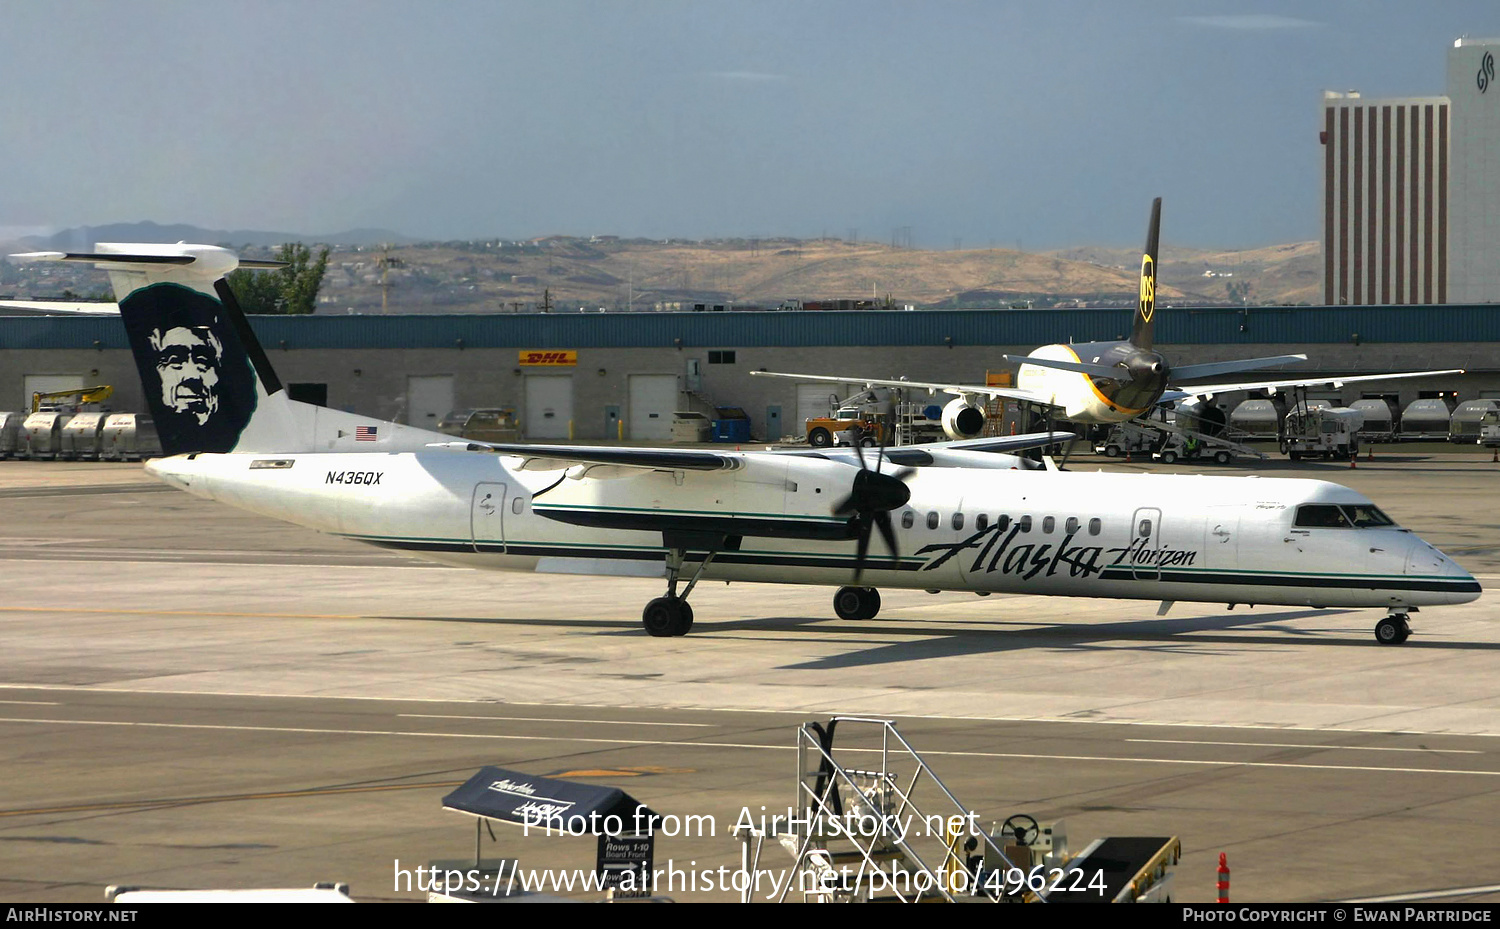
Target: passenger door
487	518
1145	542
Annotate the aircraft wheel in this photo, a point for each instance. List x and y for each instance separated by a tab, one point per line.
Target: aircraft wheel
820	438
856	602
1393	630
667	616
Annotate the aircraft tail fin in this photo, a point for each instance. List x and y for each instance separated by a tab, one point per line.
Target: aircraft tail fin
206	379
1141	332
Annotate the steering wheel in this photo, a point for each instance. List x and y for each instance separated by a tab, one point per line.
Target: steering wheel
1024	828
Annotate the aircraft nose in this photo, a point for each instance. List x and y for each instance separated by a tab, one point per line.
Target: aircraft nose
1424	560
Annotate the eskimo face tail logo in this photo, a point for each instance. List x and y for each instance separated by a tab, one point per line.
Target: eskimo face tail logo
197	379
1486	72
187	361
1147	306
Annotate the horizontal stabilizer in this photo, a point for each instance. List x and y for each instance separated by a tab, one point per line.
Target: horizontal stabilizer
1114	372
107	259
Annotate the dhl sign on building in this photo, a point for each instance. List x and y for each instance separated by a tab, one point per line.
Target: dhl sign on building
549	358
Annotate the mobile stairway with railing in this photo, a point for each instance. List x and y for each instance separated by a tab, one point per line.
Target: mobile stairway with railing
878	834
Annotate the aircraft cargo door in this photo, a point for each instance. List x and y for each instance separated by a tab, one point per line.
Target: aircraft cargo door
487	518
653	399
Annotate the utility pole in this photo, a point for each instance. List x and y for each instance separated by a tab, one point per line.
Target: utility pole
386	263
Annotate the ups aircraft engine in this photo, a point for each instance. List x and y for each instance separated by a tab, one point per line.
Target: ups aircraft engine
962	419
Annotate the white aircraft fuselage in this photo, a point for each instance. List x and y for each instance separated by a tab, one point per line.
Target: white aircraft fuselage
1157	537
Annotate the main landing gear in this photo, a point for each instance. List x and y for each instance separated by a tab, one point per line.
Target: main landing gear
1394	629
671	615
856	602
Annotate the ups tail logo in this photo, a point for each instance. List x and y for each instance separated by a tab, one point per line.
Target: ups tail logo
1148	288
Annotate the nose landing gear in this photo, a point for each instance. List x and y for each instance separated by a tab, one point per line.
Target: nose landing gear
1394	629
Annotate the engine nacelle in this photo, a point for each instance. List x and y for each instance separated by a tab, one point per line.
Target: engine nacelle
962	419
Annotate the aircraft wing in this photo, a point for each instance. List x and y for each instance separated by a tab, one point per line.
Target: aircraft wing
960	390
1201	390
556	457
964	452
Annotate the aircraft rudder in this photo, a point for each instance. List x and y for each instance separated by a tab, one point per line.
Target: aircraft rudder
1143	329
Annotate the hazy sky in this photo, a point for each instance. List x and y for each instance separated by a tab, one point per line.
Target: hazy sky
1044	123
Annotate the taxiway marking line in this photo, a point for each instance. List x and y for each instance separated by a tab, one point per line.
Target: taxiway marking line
546	719
220	798
32	702
758	747
1431	894
1347	748
48	609
824	711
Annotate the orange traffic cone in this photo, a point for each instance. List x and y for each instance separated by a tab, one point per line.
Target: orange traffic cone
1223	879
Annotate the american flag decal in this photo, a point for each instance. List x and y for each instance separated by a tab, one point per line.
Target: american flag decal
364	434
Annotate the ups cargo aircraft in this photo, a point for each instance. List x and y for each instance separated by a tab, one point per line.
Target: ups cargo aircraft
1104	382
958	516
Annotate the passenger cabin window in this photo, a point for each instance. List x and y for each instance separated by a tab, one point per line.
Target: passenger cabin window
1071	526
1004	523
932	520
958	520
1025	523
907	518
1095	525
982	521
1321	516
517	505
1144	529
1048	524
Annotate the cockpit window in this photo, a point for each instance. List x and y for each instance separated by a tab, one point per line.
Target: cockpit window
1321	516
1366	516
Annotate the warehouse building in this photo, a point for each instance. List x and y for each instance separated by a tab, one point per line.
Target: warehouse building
606	376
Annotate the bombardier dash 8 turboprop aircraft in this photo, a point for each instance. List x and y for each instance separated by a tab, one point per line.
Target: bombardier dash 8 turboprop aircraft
1103	382
961	516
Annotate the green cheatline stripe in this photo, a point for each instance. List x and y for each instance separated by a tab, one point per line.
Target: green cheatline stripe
911	559
655	512
1192	570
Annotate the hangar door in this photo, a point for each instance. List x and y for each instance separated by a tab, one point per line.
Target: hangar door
47	383
428	399
653	399
812	402
549	406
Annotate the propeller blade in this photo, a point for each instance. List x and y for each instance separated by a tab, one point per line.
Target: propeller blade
888	533
863	548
